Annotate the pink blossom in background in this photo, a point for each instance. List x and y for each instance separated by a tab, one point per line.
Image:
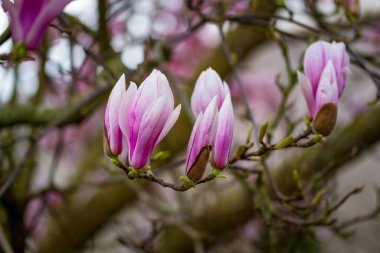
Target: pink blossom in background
74	137
117	25
371	36
357	104
30	19
263	93
188	53
34	216
231	7
86	75
170	23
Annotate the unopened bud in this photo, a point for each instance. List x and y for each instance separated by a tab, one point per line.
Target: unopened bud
106	146
325	120
198	169
285	142
263	131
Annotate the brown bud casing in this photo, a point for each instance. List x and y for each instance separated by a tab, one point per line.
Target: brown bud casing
106	146
325	120
198	169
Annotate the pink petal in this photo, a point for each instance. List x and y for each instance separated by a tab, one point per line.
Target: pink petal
169	123
224	133
163	87
153	87
196	97
125	109
123	156
159	83
13	12
29	11
190	146
208	85
327	89
143	100
214	86
149	131
314	62
112	116
307	92
47	14
203	133
341	64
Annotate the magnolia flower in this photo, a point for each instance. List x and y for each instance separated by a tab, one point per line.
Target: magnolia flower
201	140
145	116
30	19
206	88
326	68
263	94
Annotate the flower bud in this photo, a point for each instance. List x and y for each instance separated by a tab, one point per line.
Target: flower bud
326	68
316	58
201	140
198	169
206	88
137	119
325	120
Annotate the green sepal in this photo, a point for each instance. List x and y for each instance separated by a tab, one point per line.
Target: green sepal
161	155
286	142
263	130
188	183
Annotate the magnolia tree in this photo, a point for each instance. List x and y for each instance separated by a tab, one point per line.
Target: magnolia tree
185	126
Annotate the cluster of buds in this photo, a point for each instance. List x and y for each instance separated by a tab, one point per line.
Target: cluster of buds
326	69
137	119
30	19
213	129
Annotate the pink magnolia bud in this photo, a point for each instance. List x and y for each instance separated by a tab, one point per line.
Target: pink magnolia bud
326	68
316	58
30	19
224	132
327	91
113	146
210	86
206	88
145	117
201	139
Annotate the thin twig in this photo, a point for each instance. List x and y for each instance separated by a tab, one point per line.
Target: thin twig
235	74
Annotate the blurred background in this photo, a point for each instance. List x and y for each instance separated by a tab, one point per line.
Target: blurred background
59	193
